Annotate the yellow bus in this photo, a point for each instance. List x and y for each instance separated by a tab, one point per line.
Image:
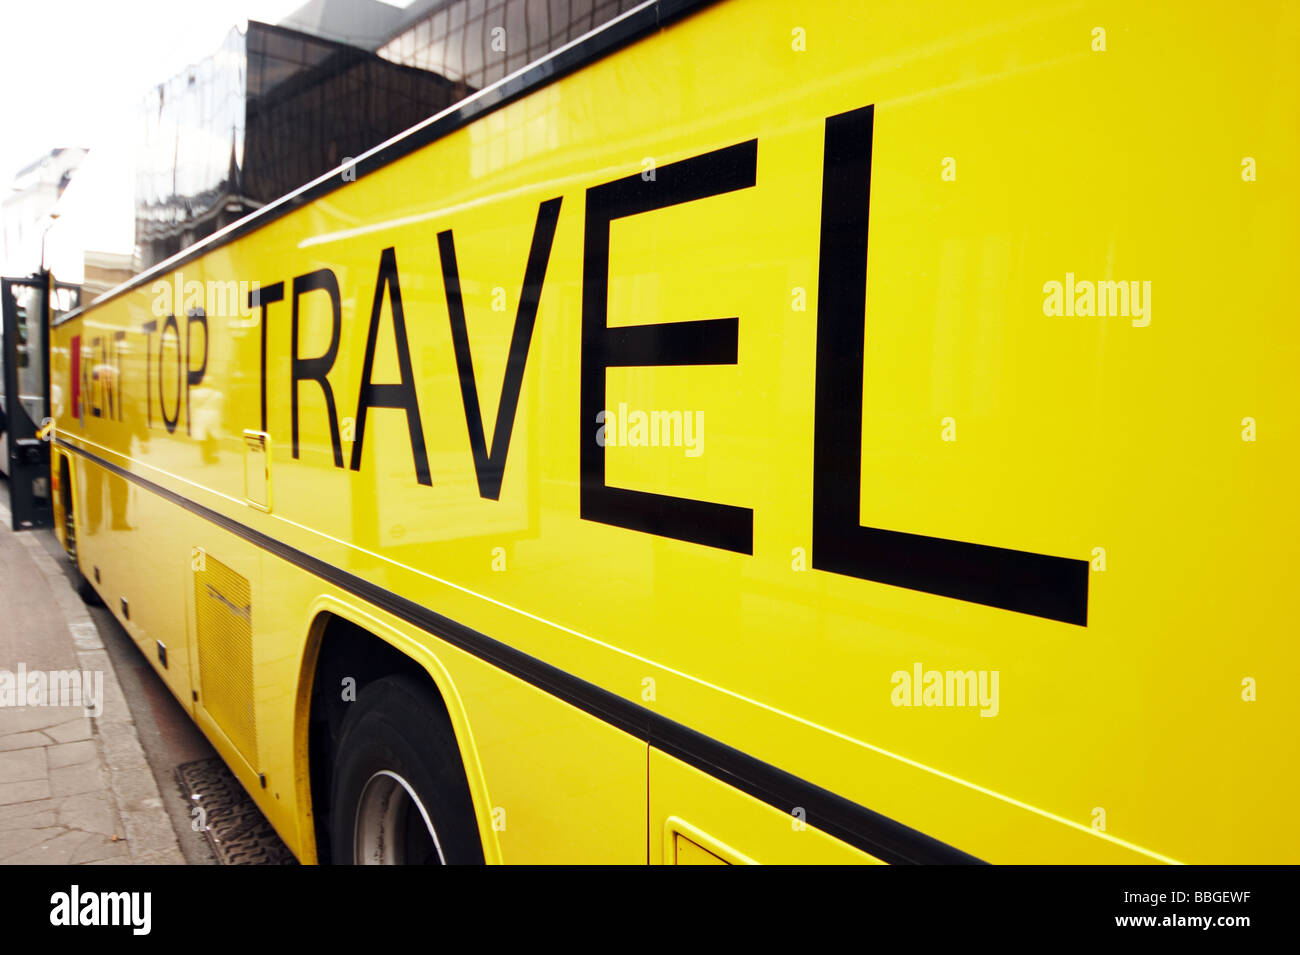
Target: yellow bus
673	452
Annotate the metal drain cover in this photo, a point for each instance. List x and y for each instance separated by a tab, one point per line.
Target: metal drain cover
235	827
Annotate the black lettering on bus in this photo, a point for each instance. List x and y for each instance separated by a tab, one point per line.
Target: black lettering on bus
96	363
105	375
316	369
401	395
262	297
149	328
87	360
703	342
490	465
119	337
194	376
174	326
1038	584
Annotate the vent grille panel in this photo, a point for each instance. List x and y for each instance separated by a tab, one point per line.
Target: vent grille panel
224	621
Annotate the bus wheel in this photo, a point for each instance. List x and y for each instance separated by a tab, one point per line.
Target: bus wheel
399	793
85	590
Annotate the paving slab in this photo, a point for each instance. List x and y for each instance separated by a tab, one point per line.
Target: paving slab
75	787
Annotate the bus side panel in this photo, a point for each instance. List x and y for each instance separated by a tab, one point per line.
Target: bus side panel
137	546
689	808
549	782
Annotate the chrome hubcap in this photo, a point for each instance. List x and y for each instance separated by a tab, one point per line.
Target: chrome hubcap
392	825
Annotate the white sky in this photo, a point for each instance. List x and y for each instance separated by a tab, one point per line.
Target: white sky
73	72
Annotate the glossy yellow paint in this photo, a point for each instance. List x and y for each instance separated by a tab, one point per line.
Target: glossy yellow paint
691	853
703	816
1008	152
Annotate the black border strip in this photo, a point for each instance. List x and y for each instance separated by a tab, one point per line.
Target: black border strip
847	821
604	40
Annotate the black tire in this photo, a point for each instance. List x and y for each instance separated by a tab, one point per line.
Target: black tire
86	590
397	727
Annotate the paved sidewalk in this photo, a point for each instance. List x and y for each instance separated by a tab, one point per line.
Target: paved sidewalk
74	784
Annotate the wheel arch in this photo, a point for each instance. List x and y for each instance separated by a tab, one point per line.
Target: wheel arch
63	478
344	640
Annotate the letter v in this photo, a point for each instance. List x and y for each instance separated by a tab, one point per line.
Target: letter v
490	466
